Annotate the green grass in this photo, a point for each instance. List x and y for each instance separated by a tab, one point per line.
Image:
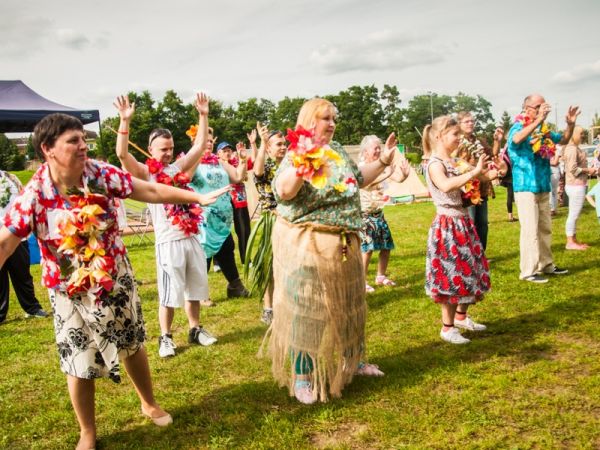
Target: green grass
529	382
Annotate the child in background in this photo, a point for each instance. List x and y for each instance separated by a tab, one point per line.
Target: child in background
457	272
593	196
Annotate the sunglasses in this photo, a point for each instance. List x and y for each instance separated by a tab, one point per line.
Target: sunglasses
159	132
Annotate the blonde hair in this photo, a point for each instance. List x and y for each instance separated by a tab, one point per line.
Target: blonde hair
313	109
575	130
439	125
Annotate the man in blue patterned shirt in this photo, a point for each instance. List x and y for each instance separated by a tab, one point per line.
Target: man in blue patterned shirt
531	183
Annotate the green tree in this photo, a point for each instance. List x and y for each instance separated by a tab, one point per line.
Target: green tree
284	115
393	114
10	158
505	122
359	113
177	117
30	150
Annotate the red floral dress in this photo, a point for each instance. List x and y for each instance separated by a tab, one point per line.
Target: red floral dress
457	270
91	335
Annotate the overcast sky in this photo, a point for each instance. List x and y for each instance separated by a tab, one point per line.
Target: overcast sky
83	54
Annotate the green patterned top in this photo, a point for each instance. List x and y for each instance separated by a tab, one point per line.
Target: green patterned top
327	206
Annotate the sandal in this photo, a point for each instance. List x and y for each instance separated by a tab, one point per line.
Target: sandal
369	289
369	370
208	303
576	246
303	392
382	280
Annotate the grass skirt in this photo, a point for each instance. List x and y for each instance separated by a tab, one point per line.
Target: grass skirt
319	306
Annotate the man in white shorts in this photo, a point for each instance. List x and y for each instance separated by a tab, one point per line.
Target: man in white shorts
180	259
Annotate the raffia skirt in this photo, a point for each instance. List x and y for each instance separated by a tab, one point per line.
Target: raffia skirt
319	306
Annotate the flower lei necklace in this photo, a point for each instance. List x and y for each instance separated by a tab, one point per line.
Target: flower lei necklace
469	149
187	217
318	164
541	142
91	270
470	191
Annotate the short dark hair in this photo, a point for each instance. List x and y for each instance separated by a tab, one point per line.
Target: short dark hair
49	129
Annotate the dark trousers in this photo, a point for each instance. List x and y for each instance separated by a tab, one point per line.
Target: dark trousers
241	224
17	267
479	214
226	260
510	197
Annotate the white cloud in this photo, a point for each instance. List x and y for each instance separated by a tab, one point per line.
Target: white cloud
579	74
22	36
382	50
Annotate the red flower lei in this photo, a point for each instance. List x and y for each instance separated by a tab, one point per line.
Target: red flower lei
209	158
186	217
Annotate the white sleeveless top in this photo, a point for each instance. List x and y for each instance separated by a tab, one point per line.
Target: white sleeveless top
164	231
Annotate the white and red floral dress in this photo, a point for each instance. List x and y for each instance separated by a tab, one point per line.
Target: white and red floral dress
457	270
91	334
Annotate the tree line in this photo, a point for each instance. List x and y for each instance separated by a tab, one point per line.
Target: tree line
362	110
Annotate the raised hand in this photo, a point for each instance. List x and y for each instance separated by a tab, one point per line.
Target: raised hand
126	110
201	103
404	167
391	141
481	166
263	132
572	114
252	137
498	134
241	151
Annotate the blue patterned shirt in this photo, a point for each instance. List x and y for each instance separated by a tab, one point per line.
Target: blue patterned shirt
530	172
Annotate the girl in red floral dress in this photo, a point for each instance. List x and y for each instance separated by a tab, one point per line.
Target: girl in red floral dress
457	272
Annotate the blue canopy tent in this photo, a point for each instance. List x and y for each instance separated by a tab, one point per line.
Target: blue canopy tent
21	108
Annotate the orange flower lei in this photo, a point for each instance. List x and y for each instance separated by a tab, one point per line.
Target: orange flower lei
470	191
313	162
91	269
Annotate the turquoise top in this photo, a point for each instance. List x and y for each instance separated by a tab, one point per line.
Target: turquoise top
217	218
595	193
337	204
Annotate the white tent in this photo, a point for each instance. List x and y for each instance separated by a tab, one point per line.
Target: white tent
411	186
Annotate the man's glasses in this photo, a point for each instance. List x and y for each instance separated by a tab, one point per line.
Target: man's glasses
537	108
159	132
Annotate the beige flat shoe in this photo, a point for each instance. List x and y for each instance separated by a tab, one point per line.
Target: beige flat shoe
161	421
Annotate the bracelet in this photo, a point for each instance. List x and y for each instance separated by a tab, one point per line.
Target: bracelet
381	161
123	131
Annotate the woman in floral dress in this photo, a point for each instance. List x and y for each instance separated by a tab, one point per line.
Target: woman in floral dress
69	206
319	310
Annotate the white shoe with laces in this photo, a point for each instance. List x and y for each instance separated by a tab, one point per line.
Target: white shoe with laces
166	346
468	324
453	336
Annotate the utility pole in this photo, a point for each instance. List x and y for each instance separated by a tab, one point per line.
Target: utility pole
431	104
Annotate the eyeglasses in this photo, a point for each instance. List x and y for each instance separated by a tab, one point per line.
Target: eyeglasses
159	132
537	108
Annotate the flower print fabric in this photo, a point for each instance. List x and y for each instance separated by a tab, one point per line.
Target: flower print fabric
336	204
456	269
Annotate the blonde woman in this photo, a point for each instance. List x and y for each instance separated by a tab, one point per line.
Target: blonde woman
576	179
318	330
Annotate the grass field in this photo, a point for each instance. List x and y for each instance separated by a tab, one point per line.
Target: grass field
530	382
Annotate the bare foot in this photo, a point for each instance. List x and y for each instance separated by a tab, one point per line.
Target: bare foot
87	441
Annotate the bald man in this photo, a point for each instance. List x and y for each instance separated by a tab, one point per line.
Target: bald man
531	183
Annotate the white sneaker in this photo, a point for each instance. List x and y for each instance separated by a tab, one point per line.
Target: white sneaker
216	268
468	324
199	335
453	336
166	346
